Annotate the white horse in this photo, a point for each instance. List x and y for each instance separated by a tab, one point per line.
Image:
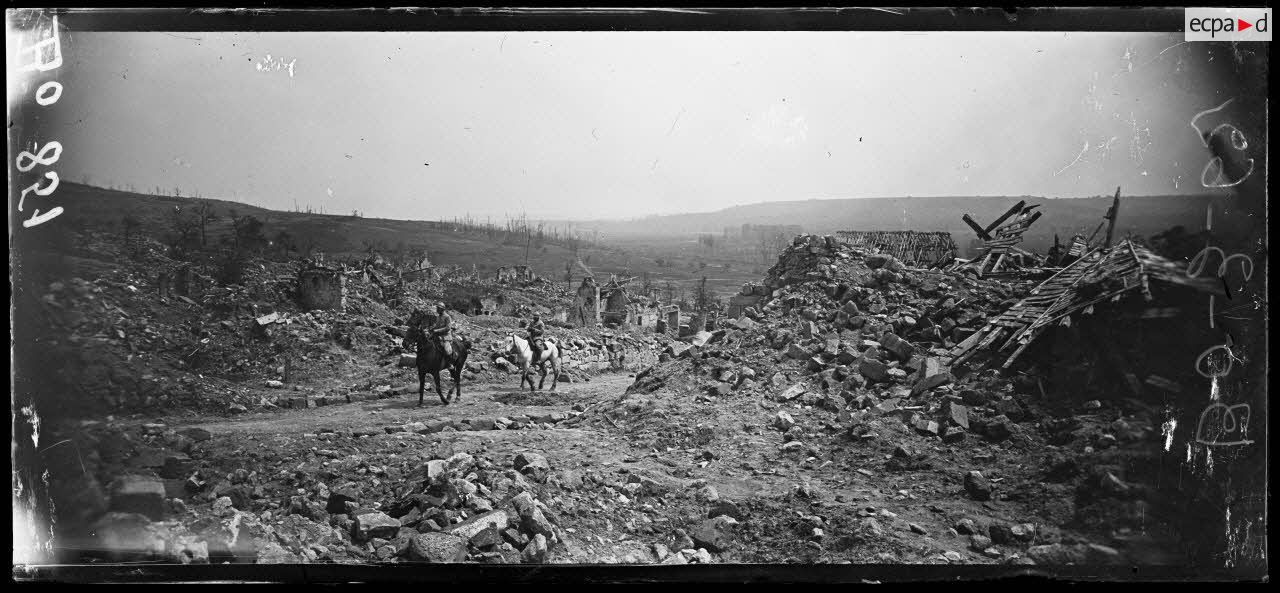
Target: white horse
519	347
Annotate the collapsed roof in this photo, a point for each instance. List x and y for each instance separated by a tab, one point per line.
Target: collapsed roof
1101	275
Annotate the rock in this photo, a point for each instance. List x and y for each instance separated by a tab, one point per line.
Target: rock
272	383
870	526
338	500
931	382
874	370
792	392
955	414
536	551
887	406
532	464
534	521
979	543
1018	533
901	348
1059	554
488	537
784	422
439	548
795	351
468	529
716	533
978	487
273	553
953	434
140	494
966	527
374	524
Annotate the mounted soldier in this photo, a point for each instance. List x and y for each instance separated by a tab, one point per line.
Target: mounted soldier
442	330
536	329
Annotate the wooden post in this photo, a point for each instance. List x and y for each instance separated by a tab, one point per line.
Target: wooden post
1111	217
1014	210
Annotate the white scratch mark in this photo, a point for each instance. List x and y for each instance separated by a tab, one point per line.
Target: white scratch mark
1167	428
1077	159
677	120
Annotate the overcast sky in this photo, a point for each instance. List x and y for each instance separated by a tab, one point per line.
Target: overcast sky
598	124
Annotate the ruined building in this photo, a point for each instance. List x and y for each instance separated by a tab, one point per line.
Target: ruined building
911	247
585	311
1119	319
616	303
321	287
514	274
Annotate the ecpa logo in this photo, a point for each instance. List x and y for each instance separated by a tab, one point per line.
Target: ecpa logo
1227	24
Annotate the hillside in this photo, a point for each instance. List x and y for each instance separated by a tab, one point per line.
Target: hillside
1140	215
344	237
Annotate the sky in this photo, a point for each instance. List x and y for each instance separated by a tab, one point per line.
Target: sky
587	125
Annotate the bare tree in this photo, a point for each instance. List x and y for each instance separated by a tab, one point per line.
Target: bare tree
204	215
185	228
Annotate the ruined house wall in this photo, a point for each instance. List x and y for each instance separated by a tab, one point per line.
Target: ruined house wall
586	305
750	295
616	309
322	289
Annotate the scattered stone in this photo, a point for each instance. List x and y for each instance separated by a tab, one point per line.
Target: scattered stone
978	487
438	548
374	524
536	551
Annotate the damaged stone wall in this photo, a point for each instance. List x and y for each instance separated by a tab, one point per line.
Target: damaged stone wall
585	311
322	288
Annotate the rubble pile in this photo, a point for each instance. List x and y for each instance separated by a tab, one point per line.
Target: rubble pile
339	504
845	363
853	324
124	346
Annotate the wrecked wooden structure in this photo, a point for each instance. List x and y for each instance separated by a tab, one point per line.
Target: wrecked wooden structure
910	247
999	254
1119	307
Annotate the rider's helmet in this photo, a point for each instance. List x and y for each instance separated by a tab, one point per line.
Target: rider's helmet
440	307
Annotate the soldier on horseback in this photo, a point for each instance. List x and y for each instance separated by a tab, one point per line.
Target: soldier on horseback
441	330
536	329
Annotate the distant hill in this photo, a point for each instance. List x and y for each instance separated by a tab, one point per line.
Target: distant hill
1140	215
336	235
344	236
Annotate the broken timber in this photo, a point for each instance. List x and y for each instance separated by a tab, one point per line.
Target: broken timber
908	246
1000	240
1127	267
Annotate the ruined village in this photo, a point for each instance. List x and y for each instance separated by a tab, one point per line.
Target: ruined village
1007	383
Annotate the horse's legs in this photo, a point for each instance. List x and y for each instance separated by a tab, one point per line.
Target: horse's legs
555	368
542	370
526	377
422	383
436	375
457	381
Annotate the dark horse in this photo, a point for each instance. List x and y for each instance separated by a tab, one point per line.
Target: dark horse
432	359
